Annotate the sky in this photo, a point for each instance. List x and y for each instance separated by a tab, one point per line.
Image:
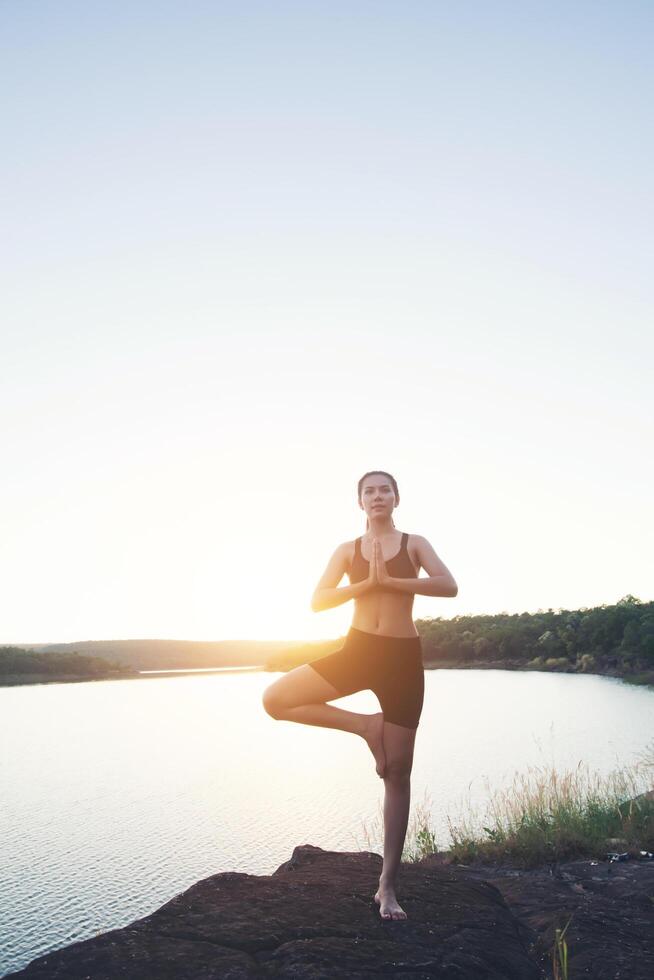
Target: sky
253	250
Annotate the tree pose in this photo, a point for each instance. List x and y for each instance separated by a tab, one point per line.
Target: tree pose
382	653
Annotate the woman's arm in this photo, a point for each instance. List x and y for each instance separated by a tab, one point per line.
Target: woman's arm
326	595
440	581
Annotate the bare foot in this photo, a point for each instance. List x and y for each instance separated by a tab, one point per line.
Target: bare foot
374	736
389	907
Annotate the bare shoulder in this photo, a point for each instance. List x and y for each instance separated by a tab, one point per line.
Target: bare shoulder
428	559
420	543
347	552
338	565
420	550
343	555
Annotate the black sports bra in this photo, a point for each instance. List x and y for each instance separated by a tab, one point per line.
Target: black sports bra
399	566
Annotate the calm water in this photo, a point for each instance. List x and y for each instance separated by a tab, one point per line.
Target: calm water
117	795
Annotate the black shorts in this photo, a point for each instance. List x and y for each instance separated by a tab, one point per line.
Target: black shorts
390	666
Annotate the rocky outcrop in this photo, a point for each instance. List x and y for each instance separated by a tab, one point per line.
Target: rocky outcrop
312	918
610	907
315	918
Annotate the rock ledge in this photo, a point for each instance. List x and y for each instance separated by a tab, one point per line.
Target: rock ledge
312	918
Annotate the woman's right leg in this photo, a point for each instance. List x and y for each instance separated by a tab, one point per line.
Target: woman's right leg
300	696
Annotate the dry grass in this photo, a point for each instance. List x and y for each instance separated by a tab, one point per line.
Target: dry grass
550	816
544	815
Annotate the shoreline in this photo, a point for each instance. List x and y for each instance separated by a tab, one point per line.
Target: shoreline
645	679
23	680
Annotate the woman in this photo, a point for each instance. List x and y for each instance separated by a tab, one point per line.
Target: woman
382	652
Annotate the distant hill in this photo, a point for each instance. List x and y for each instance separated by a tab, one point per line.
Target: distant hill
175	654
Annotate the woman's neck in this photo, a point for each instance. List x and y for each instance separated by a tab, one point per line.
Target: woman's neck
380	528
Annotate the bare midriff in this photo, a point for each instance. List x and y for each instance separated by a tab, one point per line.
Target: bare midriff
385	613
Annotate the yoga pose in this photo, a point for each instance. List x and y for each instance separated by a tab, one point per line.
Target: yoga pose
382	653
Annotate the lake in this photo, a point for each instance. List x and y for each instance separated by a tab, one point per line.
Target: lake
117	795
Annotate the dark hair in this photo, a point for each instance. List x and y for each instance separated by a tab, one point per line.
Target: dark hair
379	473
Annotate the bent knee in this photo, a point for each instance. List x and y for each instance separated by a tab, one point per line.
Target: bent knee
272	703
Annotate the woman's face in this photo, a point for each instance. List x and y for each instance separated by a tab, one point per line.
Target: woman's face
378	496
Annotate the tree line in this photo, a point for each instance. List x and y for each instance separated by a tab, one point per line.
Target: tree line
20	662
616	639
609	639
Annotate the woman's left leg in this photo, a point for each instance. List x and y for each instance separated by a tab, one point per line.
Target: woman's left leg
398	747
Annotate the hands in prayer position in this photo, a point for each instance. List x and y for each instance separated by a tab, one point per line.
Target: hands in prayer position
377	575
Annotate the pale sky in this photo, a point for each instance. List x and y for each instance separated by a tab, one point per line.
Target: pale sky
251	250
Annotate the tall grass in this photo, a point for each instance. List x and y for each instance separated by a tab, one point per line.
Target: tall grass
543	816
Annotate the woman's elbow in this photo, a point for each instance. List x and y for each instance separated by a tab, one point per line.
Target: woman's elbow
448	590
315	604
